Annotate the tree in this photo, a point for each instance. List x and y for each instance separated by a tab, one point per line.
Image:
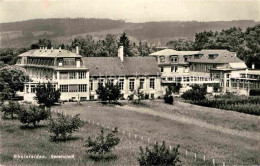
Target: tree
11	109
63	126
197	93
47	95
109	92
102	144
159	155
44	42
125	42
33	115
12	79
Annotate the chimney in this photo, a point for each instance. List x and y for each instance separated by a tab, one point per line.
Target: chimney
60	48
77	49
51	48
253	65
121	53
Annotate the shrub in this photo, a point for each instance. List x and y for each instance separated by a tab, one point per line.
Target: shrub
109	92
216	87
47	95
197	93
11	109
63	126
254	92
168	98
159	155
103	144
33	115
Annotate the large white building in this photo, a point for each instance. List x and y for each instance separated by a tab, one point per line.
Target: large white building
206	67
78	77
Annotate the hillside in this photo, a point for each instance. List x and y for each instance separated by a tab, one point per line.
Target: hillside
63	30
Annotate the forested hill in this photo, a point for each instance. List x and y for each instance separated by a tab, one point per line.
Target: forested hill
63	30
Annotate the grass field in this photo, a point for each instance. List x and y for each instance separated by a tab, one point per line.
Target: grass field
226	136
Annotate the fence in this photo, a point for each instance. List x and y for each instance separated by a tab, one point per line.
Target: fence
186	153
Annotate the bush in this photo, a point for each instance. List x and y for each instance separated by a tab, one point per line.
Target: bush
63	126
109	92
103	144
11	109
254	92
159	155
47	95
197	93
33	115
168	98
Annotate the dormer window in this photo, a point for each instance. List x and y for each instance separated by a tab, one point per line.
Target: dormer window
174	58
186	58
197	56
162	59
212	56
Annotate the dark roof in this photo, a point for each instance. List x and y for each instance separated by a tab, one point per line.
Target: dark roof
49	53
224	56
113	66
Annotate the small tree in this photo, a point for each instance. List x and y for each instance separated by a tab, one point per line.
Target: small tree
109	92
63	126
102	144
159	155
216	87
11	109
33	115
197	93
46	95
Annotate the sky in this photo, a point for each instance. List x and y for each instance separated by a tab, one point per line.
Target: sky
132	10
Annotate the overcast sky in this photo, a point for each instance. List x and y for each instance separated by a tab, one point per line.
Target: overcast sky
132	10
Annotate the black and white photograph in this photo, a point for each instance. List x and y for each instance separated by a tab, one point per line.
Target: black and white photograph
130	82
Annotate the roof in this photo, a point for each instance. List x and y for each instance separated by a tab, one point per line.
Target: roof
224	56
168	52
50	53
113	66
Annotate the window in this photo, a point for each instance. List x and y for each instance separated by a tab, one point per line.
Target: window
152	83
131	84
83	88
91	84
83	98
33	89
63	75
174	69
174	58
73	88
162	69
141	84
64	88
82	75
121	84
162	58
212	56
100	82
185	59
169	78
72	75
111	81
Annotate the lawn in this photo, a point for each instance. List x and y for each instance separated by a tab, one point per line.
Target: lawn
177	124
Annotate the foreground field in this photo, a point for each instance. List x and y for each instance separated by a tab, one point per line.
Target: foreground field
226	136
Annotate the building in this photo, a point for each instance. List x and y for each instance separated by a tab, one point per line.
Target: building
78	77
130	73
203	67
65	70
